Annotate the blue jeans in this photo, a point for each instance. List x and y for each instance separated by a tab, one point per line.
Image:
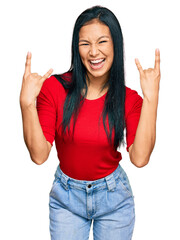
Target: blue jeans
109	201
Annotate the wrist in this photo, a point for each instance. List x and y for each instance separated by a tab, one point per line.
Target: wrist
150	105
26	104
152	99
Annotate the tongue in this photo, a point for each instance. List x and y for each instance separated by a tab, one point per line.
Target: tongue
97	65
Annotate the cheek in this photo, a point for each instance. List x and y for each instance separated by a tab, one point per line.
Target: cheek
83	52
111	56
80	53
109	52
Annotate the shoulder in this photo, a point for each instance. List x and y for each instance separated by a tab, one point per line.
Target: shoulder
130	92
131	95
132	100
52	91
55	82
51	83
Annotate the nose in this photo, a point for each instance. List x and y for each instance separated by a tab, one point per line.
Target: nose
94	50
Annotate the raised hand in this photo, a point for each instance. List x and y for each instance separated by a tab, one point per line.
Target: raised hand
150	78
32	83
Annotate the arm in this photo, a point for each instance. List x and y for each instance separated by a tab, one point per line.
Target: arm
145	137
35	140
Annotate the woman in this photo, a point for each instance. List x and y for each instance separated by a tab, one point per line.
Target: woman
89	181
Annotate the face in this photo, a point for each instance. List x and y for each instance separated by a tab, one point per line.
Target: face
96	49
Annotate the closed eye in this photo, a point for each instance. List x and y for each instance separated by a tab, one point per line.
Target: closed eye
102	41
84	44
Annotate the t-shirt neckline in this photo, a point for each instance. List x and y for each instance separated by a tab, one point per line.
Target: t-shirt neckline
96	99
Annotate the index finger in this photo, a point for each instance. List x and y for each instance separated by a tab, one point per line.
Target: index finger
157	59
28	63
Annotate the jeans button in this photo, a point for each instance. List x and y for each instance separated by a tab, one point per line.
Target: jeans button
89	185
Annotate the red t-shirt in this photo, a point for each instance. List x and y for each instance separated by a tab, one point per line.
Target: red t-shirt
89	156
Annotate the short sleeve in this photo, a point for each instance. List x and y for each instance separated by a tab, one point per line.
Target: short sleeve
133	105
46	108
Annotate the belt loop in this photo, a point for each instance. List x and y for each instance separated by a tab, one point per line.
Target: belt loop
64	181
111	183
58	172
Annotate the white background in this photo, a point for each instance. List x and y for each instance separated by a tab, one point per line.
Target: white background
45	28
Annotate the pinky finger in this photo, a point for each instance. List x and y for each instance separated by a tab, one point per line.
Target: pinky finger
139	67
46	75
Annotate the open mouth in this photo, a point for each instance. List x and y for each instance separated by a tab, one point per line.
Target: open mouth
97	64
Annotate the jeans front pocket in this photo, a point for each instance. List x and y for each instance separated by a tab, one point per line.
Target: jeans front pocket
55	183
58	194
124	181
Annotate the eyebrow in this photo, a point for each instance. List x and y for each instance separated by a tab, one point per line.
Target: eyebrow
97	39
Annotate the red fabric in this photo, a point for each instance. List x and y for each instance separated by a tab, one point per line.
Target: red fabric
89	156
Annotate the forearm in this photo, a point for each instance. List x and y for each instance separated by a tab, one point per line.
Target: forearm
33	134
145	134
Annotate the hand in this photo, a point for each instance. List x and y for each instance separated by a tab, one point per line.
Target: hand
150	78
31	84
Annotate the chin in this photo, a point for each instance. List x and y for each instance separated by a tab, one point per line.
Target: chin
98	74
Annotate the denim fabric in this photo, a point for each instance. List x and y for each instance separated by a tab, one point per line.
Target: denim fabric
108	201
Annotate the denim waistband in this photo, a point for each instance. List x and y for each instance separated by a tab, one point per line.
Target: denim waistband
108	181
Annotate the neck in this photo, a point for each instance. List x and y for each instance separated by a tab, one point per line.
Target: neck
95	83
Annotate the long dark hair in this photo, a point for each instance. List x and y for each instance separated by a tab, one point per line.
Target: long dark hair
115	97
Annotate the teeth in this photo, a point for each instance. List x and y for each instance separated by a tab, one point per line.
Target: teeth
97	61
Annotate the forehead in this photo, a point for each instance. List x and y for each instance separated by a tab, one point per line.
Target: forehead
94	29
